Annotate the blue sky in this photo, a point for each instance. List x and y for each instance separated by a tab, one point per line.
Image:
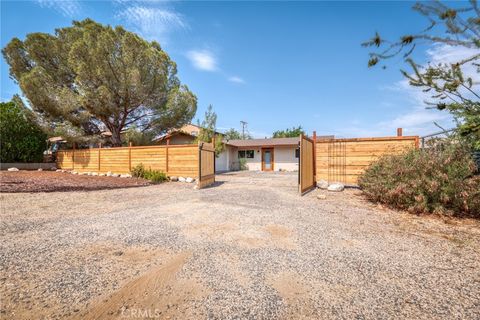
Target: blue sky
272	64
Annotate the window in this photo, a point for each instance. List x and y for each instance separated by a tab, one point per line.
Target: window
242	154
297	153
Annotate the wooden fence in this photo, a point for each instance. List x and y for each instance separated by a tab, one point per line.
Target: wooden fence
174	160
306	173
343	160
206	167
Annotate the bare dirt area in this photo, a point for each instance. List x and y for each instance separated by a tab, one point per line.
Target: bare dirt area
249	247
48	181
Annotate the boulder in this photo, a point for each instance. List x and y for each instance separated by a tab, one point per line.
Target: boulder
109	173
321	196
74	172
116	175
322	184
102	174
94	174
126	175
13	169
181	179
40	169
189	180
336	187
58	170
53	168
174	178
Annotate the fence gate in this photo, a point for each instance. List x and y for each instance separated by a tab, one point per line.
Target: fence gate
337	164
206	165
306	168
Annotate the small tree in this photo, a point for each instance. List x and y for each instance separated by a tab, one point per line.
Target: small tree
208	128
289	133
450	88
89	78
233	134
20	137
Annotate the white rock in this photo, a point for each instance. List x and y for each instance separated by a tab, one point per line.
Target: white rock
181	179
83	173
173	178
40	169
189	180
322	184
109	173
321	196
94	174
58	170
116	175
74	172
126	175
102	174
53	168
336	187
13	169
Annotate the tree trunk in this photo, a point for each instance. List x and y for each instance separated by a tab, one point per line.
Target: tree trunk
116	138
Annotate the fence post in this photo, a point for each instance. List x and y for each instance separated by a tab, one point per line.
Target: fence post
73	157
166	156
130	156
315	156
99	147
200	145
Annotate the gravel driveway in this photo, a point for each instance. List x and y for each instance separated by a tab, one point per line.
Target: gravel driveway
248	248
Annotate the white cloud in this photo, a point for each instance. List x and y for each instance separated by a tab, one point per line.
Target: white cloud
202	60
152	23
236	79
68	8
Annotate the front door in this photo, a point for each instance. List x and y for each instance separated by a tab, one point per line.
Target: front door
267	159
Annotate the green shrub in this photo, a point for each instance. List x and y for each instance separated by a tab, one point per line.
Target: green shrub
438	180
20	137
154	176
243	164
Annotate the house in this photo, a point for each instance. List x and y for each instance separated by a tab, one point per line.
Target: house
274	154
185	135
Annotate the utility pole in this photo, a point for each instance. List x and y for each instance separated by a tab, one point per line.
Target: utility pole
244	125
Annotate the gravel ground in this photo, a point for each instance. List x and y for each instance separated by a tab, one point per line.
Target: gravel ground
247	248
47	181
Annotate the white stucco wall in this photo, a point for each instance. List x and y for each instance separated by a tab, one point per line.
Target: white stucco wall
285	159
221	162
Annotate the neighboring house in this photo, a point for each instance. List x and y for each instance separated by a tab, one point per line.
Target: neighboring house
185	135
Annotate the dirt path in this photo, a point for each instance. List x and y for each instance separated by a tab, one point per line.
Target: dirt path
247	248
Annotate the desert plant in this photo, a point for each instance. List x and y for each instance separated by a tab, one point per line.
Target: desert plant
138	171
243	164
154	176
437	180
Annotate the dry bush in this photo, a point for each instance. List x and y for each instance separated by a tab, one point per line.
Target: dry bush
438	180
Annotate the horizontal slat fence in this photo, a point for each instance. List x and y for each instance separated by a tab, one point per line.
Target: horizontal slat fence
358	153
174	160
